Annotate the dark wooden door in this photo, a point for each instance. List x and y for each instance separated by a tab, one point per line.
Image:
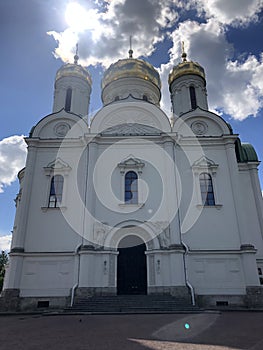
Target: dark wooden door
131	270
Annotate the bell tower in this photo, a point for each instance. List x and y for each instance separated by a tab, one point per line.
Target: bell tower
187	85
72	88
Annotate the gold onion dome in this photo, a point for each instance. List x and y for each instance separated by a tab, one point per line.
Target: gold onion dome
131	67
185	68
73	70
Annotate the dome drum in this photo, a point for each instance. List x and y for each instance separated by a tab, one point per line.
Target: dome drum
131	87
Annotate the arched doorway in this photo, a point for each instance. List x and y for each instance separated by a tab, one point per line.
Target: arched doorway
131	266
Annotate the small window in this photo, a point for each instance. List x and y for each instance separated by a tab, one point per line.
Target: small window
43	304
131	188
56	190
222	303
145	98
207	192
193	97
68	100
117	98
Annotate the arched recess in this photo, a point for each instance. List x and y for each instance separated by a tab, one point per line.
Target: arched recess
50	126
211	124
144	231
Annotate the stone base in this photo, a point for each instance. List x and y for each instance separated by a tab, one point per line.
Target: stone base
87	292
215	301
254	297
43	303
9	300
181	292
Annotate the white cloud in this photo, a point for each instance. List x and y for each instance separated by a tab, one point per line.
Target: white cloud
230	12
12	159
5	242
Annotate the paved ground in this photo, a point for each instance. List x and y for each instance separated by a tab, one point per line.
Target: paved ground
206	331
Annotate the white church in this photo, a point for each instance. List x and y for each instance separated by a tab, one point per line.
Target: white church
135	202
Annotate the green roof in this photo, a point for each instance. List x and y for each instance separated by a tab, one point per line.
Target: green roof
250	152
245	152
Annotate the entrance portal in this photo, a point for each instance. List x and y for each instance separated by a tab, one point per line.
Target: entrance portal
131	266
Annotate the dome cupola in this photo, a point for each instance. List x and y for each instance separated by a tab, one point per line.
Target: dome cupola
131	77
187	86
72	88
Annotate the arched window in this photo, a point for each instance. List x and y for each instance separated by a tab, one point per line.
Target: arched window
145	98
207	192
193	97
68	100
56	190
131	187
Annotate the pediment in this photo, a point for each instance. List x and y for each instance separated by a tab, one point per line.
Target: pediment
204	163
131	162
128	129
57	165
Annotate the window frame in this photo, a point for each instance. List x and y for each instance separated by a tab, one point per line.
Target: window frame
56	167
205	165
135	165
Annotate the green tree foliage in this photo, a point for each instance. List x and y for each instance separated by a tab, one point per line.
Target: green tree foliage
3	262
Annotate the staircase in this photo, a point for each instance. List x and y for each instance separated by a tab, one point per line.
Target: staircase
131	304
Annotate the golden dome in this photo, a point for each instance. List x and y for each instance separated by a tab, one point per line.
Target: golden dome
131	67
73	70
186	67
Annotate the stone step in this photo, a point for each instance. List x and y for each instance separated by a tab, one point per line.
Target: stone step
131	303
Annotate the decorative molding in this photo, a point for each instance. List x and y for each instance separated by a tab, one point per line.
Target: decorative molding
158	266
99	233
151	270
217	206
112	269
60	208
204	163
131	163
162	232
61	129
199	127
57	166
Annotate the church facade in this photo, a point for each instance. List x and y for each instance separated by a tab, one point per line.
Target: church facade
132	202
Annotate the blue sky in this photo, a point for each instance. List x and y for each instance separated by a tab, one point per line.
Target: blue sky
224	36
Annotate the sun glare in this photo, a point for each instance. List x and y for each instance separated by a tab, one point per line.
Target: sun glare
79	19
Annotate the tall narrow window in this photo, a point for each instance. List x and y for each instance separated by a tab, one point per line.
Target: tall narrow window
56	190
68	100
131	188
207	192
193	97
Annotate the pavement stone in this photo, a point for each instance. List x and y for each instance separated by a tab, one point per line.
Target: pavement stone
207	331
